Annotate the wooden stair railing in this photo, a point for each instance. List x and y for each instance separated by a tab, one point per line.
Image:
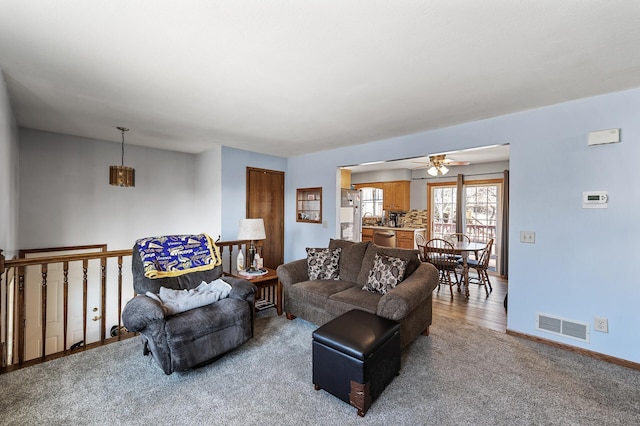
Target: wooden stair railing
13	302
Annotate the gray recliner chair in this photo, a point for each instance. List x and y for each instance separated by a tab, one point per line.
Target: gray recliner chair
194	337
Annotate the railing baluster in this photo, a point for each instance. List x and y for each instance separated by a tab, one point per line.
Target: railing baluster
85	266
4	339
119	296
43	308
22	323
103	297
65	272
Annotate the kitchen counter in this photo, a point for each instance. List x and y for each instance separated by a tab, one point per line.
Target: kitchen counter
389	228
392	237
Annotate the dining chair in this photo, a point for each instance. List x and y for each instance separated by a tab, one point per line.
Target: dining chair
421	242
457	237
481	265
440	253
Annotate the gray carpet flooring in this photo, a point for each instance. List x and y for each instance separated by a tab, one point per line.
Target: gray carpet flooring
460	375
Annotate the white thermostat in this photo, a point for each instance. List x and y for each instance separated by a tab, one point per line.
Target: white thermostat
594	200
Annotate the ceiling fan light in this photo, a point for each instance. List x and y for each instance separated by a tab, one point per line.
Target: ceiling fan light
444	170
433	171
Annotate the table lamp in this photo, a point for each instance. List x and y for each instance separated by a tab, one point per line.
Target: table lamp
252	230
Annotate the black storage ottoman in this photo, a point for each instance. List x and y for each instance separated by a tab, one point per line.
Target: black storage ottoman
355	356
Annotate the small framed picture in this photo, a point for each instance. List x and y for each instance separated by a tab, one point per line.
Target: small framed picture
311	197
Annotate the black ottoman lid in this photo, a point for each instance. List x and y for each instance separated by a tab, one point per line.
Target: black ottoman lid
356	333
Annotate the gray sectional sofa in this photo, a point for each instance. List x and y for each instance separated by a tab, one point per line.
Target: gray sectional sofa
319	301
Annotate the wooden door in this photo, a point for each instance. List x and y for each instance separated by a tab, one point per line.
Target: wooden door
265	199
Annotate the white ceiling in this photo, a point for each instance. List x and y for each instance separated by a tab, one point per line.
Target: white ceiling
290	77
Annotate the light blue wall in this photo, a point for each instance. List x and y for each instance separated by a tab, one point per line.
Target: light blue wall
234	185
579	266
8	175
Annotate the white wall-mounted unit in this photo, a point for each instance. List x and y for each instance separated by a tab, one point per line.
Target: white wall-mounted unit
601	137
595	199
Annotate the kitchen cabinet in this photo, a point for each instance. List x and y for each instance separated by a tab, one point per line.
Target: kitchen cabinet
309	205
345	179
396	194
404	239
367	234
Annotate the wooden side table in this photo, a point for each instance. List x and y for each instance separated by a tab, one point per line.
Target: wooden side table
269	289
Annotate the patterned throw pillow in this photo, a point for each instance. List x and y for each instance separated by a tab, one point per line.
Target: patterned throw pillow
323	263
387	272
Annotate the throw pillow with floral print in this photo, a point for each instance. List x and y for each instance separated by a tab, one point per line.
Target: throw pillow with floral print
323	263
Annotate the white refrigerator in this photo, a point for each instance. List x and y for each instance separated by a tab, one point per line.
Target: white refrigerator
351	215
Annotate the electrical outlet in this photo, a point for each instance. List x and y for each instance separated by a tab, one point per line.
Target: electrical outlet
602	324
527	237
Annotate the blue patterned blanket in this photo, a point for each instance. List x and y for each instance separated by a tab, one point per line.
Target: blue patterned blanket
174	255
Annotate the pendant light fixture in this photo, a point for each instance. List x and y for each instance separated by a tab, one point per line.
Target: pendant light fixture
122	175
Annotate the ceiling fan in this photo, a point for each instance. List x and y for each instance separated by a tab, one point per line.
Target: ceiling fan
438	164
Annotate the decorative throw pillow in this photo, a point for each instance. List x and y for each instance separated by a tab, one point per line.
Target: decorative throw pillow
387	272
323	263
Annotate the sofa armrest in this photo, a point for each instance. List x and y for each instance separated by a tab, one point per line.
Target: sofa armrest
140	312
293	272
240	288
409	294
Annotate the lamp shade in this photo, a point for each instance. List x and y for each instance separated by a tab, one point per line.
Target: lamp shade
251	229
122	176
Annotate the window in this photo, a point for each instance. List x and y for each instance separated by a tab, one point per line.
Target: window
443	211
481	204
481	207
372	201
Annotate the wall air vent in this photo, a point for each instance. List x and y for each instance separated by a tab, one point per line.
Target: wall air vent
563	327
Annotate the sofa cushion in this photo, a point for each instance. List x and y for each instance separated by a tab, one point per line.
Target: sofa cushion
369	257
350	258
316	292
352	298
323	263
387	272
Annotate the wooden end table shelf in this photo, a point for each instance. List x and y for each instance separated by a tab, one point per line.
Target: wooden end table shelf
269	289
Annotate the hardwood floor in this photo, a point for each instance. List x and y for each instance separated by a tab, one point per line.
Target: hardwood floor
480	309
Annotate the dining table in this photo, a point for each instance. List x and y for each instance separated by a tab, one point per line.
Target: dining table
463	248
